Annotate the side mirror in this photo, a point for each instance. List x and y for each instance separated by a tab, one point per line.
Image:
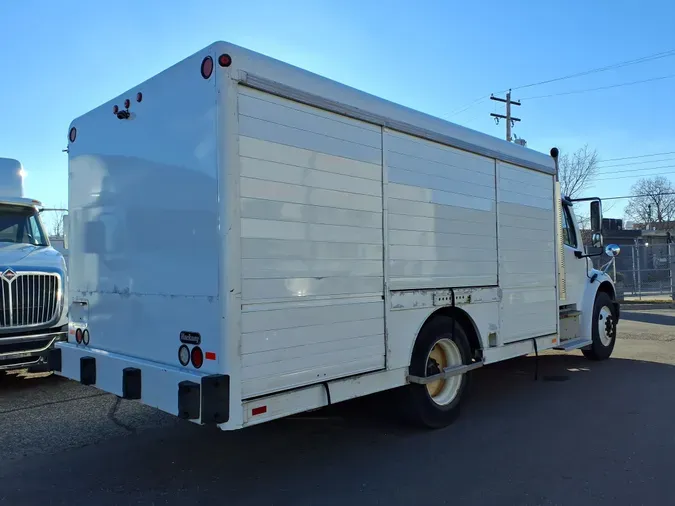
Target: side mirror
612	250
65	231
596	224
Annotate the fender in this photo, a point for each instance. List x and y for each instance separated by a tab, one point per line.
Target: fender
466	317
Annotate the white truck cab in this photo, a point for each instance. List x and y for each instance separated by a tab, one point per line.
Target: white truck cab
32	278
582	286
325	244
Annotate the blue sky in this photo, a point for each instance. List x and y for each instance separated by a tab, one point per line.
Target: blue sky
61	59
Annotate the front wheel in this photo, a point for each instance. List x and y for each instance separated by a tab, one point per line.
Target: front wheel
604	328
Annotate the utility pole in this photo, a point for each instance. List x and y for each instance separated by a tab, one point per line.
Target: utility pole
510	121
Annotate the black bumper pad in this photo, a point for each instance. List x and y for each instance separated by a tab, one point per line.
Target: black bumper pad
211	399
131	383
88	370
54	359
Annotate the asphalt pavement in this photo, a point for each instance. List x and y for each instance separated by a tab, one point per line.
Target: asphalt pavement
583	433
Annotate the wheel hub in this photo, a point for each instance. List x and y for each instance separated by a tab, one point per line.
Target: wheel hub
433	367
606	326
445	353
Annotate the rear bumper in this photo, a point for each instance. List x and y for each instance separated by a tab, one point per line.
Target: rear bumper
200	398
21	351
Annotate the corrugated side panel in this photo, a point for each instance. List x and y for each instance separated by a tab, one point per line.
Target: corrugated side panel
312	257
441	215
527	269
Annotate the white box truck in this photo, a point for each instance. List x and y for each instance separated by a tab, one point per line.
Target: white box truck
249	240
32	278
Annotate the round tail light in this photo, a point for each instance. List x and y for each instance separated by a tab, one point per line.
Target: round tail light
184	355
78	336
85	337
72	135
197	357
224	60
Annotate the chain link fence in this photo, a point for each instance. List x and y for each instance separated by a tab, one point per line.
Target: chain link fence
642	272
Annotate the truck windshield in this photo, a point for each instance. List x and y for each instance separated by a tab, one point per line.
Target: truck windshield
21	225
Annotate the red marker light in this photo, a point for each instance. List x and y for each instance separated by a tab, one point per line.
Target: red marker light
78	336
115	109
139	96
207	67
72	134
197	357
259	410
224	60
127	103
210	355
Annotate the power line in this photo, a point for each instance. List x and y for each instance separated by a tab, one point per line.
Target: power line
635	61
634	170
469	106
611	170
635	163
639	175
643	59
471	119
638	196
637	156
670	76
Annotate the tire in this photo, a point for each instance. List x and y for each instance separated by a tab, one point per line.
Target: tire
603	330
419	406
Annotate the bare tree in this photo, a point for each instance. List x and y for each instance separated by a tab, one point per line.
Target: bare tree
576	170
654	204
53	220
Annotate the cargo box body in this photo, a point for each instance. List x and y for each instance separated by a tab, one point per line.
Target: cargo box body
297	231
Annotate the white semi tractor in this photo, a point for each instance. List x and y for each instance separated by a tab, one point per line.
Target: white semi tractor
32	279
325	244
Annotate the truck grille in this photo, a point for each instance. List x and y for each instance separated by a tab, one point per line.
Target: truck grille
28	299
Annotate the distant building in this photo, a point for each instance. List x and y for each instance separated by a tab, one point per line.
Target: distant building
642	250
614	232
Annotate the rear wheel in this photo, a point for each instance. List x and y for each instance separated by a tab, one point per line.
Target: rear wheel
441	343
604	328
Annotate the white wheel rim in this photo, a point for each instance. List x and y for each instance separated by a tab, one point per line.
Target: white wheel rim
445	353
605	326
